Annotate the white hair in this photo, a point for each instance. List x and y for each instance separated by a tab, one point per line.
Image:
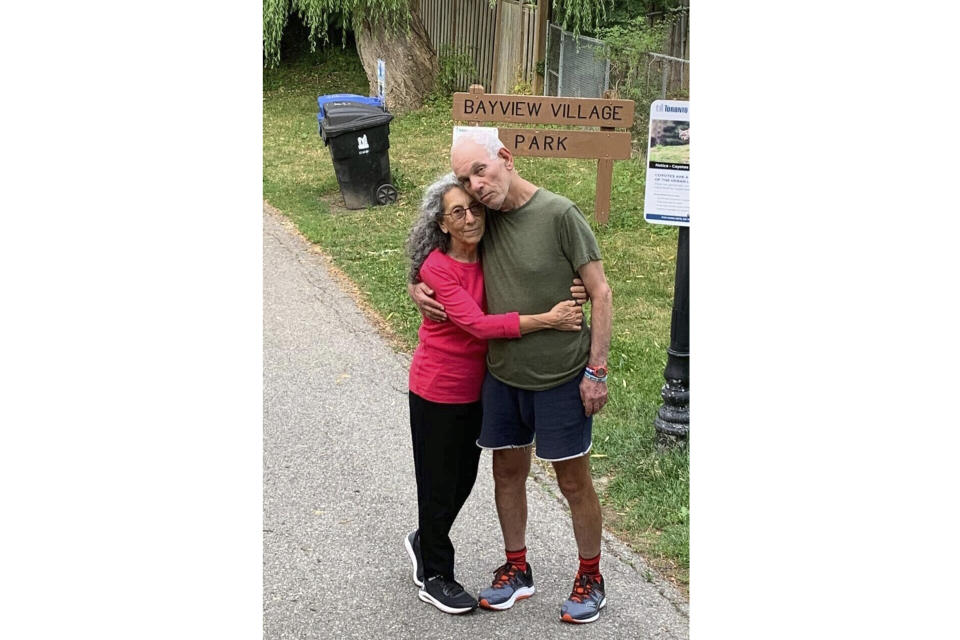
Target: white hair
486	137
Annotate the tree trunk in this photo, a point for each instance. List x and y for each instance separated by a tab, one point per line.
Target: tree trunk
410	60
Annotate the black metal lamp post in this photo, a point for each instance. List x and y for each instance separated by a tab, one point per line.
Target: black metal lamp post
673	419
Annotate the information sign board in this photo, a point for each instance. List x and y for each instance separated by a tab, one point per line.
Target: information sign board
667	193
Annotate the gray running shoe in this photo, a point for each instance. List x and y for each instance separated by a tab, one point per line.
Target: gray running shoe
586	600
509	585
412	545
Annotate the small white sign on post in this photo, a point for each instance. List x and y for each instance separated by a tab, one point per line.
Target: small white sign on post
382	81
667	194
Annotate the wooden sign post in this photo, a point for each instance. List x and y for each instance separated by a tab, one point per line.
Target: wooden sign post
606	144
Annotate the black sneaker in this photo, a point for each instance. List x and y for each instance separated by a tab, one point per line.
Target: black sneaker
509	585
585	601
412	544
447	595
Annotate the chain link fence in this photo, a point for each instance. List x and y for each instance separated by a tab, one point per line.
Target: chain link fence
581	68
668	74
657	77
575	67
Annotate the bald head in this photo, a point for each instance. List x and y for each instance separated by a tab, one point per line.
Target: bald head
484	137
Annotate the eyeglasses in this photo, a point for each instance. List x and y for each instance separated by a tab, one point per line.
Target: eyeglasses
459	213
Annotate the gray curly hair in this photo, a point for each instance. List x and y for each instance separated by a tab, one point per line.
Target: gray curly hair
426	235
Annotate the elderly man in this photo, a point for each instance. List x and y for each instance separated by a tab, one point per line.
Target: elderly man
544	388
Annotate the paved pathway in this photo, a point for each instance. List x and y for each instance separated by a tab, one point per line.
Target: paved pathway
339	492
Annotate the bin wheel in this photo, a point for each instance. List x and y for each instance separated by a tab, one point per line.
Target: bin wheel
386	194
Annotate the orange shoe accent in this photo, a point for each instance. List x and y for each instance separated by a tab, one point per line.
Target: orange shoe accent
523	597
485	604
567	618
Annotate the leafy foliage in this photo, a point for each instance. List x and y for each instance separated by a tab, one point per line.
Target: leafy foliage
580	15
624	10
628	43
320	15
592	16
452	64
521	86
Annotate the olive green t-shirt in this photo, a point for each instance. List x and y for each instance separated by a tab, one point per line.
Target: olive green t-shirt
530	257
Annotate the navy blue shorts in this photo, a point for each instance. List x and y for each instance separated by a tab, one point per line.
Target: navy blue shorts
554	418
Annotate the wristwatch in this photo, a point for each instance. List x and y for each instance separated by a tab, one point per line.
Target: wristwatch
596	374
599	371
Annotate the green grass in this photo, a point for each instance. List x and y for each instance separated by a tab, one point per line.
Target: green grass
679	154
644	491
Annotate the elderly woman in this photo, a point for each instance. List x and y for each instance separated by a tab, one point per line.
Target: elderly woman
446	376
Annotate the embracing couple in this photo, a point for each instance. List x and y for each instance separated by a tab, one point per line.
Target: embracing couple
504	362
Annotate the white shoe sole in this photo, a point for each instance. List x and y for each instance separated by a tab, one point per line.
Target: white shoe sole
519	594
603	603
426	597
413	559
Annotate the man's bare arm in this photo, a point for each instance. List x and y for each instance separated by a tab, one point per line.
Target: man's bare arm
594	394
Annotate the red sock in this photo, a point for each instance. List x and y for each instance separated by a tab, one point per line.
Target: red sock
518	558
590	567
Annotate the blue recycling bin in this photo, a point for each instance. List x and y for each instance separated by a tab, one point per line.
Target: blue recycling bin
357	130
344	97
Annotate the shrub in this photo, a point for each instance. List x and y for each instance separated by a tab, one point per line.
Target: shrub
453	65
628	44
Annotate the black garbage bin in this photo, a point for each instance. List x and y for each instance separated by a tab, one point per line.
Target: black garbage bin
359	139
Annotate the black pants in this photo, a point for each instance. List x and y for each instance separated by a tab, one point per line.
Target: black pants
445	457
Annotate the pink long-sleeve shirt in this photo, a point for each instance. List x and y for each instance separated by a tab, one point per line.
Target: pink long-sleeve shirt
449	363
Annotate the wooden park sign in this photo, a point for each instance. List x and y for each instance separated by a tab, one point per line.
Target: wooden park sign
605	144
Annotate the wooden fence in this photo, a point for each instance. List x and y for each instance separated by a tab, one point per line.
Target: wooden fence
518	42
504	42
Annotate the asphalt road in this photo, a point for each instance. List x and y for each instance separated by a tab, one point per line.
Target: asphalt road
339	492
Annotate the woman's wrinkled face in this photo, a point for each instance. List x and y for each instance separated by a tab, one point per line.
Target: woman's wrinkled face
463	218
